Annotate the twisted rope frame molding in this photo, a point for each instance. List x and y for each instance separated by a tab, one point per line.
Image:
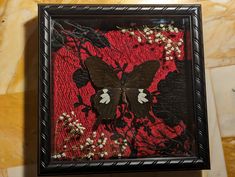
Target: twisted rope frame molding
201	161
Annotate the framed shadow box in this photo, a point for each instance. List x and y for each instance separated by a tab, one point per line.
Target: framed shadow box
121	88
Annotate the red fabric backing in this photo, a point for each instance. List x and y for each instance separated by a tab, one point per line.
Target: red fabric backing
65	91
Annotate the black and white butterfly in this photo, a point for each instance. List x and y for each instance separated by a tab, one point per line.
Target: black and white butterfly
131	89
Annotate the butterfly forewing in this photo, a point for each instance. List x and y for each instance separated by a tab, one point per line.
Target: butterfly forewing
101	74
106	101
142	75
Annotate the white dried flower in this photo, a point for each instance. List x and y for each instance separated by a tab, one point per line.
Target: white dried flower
146	29
61	118
104	142
139	39
168	45
101	155
123	30
63	154
150	41
101	146
176	30
158	34
132	33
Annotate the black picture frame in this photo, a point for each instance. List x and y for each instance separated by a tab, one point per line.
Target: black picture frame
199	161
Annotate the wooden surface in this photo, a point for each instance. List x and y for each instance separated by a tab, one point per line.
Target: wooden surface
18	83
229	152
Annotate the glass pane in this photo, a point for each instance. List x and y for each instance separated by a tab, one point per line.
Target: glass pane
122	88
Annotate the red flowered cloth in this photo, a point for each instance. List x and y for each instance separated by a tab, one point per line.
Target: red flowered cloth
124	48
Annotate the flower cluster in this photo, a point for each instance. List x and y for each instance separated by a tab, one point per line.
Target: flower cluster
70	121
89	145
122	145
173	47
93	147
157	35
59	155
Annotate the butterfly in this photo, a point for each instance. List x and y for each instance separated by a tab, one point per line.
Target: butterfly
131	89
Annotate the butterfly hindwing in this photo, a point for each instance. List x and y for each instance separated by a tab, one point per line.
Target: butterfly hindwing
142	75
101	74
106	101
139	101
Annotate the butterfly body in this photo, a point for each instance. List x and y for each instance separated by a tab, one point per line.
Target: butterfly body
112	91
123	95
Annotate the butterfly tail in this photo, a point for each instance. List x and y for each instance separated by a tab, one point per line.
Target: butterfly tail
96	123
